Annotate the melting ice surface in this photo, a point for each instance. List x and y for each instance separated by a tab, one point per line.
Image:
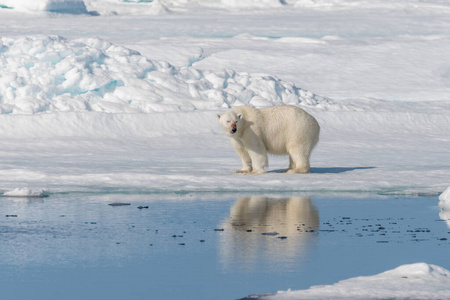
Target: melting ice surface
220	247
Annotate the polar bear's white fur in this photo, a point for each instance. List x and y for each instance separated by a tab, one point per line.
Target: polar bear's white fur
278	130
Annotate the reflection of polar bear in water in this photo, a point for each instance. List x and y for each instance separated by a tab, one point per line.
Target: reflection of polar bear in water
285	216
278	130
291	225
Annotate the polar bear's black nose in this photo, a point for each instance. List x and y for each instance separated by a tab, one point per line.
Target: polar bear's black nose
233	127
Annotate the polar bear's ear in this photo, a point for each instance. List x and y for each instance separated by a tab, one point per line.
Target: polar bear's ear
218	116
239	116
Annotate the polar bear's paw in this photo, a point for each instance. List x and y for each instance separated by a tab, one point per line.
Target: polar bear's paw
257	172
304	170
242	171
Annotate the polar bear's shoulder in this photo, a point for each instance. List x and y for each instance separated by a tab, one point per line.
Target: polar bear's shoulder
247	112
244	109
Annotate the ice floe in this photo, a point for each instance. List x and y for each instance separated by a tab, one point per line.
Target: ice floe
444	206
25	193
413	281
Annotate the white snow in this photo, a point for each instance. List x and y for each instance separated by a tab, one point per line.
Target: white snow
109	80
445	196
64	91
50	74
127	7
414	281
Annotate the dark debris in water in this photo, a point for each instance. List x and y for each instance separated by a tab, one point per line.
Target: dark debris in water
256	296
383	232
119	204
398	230
376	230
270	233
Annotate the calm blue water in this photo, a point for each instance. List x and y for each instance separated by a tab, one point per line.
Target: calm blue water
207	247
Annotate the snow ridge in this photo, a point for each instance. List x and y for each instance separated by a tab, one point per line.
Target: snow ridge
53	74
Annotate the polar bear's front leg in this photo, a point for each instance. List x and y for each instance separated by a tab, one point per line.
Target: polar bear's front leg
257	151
259	161
243	155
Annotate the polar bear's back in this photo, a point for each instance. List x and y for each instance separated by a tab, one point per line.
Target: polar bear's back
287	127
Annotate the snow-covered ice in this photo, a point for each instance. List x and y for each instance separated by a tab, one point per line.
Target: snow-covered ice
414	281
444	206
55	89
121	96
24	193
445	196
127	7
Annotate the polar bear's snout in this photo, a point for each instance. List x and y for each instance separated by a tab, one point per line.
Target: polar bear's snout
233	128
229	122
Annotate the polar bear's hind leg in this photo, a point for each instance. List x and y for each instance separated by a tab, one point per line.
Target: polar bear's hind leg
298	162
291	166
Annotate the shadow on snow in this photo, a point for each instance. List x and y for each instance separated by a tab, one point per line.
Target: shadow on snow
337	170
332	170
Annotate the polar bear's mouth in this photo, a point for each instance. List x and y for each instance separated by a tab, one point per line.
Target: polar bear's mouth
233	128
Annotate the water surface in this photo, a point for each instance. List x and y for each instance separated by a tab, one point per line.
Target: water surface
208	247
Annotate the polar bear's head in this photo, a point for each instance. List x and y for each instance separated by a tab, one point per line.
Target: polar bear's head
230	122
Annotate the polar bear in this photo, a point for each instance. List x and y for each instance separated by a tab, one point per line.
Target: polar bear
278	130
